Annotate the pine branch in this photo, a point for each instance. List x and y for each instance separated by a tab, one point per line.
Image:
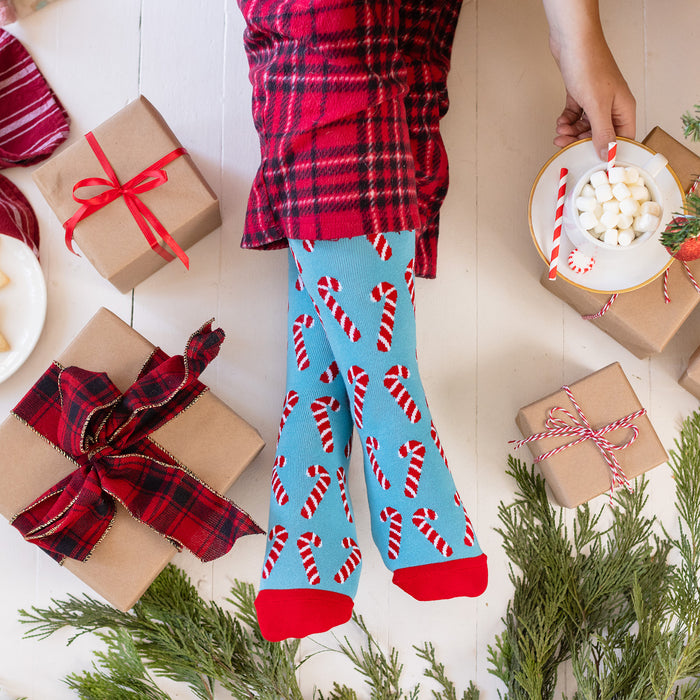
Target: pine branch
436	671
691	124
684	225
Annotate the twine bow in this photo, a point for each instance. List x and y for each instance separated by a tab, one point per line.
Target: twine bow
148	179
562	423
106	434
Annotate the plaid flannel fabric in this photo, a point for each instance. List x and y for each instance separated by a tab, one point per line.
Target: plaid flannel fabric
347	97
106	434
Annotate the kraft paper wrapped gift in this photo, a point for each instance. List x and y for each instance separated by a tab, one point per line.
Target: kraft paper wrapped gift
133	140
641	320
580	472
690	380
212	441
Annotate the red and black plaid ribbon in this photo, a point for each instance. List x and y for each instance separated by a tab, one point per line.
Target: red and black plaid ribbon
106	434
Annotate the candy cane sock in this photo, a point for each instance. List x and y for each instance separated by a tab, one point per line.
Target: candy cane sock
312	562
362	289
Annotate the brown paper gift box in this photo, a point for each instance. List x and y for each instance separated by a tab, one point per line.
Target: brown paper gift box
208	437
690	380
640	320
132	140
579	473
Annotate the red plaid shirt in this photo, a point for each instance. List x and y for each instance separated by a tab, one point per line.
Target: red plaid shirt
347	98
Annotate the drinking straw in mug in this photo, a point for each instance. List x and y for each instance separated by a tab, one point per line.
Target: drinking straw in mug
554	258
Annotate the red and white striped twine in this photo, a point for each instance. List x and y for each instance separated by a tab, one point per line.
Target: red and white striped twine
581	430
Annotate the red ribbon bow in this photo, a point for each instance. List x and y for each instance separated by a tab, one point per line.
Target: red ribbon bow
106	434
580	429
148	179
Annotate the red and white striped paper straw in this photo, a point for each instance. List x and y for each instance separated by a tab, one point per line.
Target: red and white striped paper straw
612	154
554	258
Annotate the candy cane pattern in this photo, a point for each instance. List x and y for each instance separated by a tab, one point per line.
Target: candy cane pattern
302	321
278	536
348	447
372	444
325	286
417	451
323	481
381	245
438	444
304	544
351	563
320	409
395	521
299	284
340	476
392	381
331	373
469	531
386	326
360	379
421	520
309	245
409	276
290	401
278	490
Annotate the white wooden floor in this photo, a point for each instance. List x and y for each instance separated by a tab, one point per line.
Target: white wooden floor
490	337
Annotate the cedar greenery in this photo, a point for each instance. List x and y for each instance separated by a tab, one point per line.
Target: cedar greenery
614	597
691	124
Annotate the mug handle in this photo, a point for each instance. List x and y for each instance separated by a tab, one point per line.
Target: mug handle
655	164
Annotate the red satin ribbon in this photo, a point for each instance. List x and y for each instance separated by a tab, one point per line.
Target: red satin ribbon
148	179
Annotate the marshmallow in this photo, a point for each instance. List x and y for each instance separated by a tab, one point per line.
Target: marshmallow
588	190
598	178
631	175
603	193
599	229
586	203
612	205
621	191
648	222
629	207
609	219
625	237
624	221
616	174
610	236
588	220
653	208
640	193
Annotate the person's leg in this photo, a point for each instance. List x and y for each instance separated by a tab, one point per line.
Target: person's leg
312	562
362	288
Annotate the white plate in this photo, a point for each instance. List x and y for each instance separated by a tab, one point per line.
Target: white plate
613	271
22	303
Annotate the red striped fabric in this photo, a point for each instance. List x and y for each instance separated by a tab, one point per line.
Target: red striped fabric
32	120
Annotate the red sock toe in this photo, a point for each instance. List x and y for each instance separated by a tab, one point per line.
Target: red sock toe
299	612
449	579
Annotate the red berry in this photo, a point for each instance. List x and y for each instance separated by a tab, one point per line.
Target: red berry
689	250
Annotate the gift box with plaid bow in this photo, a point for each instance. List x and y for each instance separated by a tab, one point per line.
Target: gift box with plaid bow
644	320
129	195
590	437
119	456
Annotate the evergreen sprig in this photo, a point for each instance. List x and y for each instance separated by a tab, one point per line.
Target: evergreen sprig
691	124
684	225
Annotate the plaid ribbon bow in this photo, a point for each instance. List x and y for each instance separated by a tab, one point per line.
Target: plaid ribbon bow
106	434
569	425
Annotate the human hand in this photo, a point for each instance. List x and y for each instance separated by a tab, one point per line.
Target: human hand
599	103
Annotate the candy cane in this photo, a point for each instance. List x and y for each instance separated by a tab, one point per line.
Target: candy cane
299	284
278	536
421	520
381	245
351	563
386	326
307	557
469	531
417	451
323	481
392	381
277	488
394	518
309	245
325	286
340	476
331	373
438	444
302	321
320	409
372	444
290	401
409	276
360	378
